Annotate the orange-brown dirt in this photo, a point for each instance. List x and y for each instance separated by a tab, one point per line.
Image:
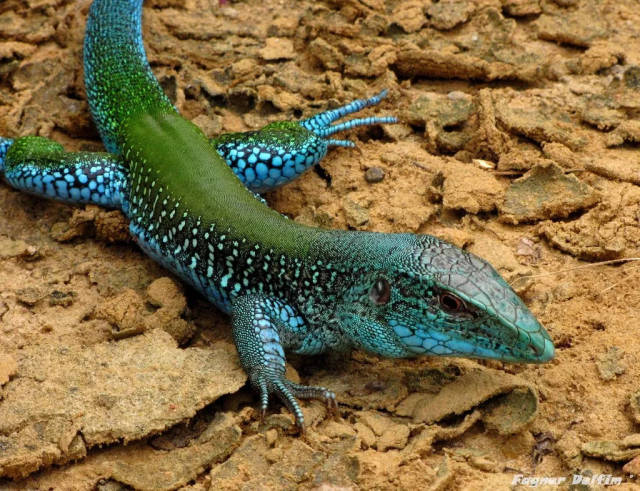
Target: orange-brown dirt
519	141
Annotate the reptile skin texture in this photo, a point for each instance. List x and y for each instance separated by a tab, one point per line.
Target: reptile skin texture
193	207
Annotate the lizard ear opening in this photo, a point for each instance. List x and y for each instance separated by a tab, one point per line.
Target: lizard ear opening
380	292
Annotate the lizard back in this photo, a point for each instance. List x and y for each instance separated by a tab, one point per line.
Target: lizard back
187	208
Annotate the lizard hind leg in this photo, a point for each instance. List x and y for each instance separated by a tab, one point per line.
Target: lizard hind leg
41	167
282	151
260	323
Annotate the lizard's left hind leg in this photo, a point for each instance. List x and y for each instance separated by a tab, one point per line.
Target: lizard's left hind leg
282	151
41	167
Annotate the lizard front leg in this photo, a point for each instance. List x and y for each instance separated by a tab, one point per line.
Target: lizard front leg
262	328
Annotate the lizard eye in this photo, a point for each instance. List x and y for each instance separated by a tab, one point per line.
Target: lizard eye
380	292
451	303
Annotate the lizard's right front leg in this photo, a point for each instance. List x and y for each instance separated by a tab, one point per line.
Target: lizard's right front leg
261	326
41	167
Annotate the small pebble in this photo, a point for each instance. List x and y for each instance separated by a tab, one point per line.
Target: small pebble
65	299
30	295
271	436
456	95
374	174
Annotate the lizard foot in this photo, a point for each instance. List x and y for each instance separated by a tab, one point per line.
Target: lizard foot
289	392
320	124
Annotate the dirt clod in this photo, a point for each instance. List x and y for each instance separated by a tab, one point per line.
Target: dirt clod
609	364
546	192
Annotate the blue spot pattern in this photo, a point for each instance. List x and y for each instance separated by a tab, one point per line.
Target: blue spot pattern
265	166
5	143
79	178
282	151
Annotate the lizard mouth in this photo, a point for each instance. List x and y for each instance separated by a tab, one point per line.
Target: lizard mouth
525	346
542	348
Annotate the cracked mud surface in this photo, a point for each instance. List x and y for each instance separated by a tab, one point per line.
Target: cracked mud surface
519	141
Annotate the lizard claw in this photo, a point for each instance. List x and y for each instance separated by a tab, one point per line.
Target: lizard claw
289	392
332	407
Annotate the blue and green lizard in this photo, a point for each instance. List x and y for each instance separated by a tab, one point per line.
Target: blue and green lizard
192	206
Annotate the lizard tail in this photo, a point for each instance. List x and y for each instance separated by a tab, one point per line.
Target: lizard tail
5	143
118	78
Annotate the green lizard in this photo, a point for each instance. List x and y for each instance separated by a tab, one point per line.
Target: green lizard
192	206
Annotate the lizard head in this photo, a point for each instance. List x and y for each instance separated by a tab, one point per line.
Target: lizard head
419	295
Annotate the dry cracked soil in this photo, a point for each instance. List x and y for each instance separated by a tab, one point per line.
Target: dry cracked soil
518	140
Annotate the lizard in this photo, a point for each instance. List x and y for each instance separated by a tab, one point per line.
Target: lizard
193	206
